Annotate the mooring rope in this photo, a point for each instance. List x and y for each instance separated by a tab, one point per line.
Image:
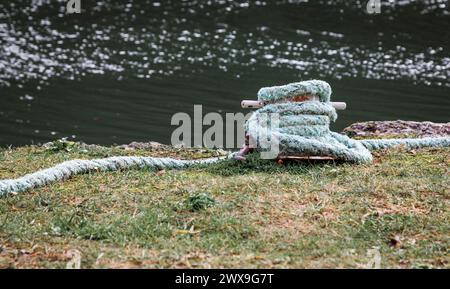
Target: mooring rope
409	143
71	168
303	129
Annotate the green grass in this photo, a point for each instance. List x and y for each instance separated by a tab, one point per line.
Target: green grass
255	214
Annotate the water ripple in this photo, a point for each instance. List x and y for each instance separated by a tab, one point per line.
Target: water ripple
146	39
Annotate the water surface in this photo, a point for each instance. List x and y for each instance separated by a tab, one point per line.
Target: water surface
118	71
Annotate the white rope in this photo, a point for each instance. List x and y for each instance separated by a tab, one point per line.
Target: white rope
303	130
68	169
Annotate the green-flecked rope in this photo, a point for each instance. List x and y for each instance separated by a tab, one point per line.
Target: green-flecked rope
68	169
303	129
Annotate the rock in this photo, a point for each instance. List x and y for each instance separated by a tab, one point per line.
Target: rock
398	128
152	145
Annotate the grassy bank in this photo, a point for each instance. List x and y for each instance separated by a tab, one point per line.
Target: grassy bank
393	213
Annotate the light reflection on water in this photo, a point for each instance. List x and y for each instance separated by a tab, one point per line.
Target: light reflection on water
119	70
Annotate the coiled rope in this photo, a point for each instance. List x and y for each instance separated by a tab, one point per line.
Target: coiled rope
303	129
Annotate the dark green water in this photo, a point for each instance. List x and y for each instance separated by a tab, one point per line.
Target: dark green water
118	71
